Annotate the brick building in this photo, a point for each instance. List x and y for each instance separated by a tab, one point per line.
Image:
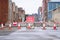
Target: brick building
5	10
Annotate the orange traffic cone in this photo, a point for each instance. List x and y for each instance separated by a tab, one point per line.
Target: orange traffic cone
44	26
54	27
10	28
19	27
29	27
2	26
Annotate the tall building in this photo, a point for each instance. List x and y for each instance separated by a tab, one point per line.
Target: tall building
5	11
15	12
35	17
53	6
10	14
21	13
44	10
40	13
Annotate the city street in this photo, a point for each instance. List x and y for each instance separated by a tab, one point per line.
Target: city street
29	19
32	34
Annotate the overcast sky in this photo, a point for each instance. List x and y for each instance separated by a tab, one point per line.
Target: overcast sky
30	6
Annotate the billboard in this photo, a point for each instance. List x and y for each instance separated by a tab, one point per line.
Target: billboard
30	19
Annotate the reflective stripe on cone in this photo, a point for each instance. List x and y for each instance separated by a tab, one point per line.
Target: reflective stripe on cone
44	26
10	27
19	27
54	27
2	26
29	27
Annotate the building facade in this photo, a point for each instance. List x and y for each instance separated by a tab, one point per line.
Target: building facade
15	12
10	14
35	17
56	15
44	9
21	13
40	13
53	5
5	11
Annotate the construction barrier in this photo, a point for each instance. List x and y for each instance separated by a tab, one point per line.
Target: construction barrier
14	23
44	26
2	26
29	26
10	27
19	26
54	27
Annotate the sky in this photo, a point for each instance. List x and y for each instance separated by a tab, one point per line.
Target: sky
30	6
55	0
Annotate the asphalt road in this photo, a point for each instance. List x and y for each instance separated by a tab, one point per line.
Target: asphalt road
31	34
7	31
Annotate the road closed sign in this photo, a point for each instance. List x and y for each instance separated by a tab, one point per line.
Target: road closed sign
30	19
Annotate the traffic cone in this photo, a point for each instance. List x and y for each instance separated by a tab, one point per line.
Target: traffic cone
29	27
2	26
19	27
44	26
54	27
10	27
